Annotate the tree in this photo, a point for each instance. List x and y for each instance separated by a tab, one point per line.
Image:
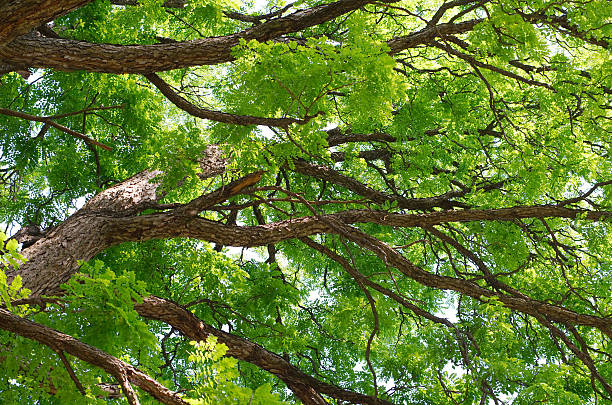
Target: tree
419	192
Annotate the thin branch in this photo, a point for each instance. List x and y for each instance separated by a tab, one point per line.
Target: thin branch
48	121
376	327
205	201
473	61
582	355
524	304
257	19
445	7
561	21
84	110
325	173
166	3
220	116
70	371
586	194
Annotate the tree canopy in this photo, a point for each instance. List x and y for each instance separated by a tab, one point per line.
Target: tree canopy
359	201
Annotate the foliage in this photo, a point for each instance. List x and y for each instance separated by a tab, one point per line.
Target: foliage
494	107
213	374
10	259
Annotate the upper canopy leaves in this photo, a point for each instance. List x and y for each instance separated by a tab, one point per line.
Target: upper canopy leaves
427	184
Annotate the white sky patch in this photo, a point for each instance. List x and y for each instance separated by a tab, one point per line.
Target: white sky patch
37	74
244	253
78	204
449	310
266	132
314	295
451	368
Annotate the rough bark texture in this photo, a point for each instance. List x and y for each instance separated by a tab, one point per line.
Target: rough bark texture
115	216
64	54
21	16
52	260
112	217
61	342
300	382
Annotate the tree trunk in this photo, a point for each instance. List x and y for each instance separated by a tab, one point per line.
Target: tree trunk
53	259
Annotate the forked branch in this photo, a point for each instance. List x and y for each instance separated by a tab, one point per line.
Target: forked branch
125	373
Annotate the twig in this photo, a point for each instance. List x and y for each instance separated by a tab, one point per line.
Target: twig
84	110
78	384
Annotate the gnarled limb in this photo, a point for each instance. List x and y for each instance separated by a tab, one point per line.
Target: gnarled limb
125	373
112	217
220	116
193	328
64	54
21	16
520	303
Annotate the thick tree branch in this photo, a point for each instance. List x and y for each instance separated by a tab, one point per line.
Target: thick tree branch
61	342
428	34
368	155
336	137
193	328
8	68
522	304
64	54
21	16
163	225
111	218
81	236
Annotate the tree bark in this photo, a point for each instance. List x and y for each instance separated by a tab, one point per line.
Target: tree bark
64	54
21	16
112	217
52	260
115	216
61	342
306	387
